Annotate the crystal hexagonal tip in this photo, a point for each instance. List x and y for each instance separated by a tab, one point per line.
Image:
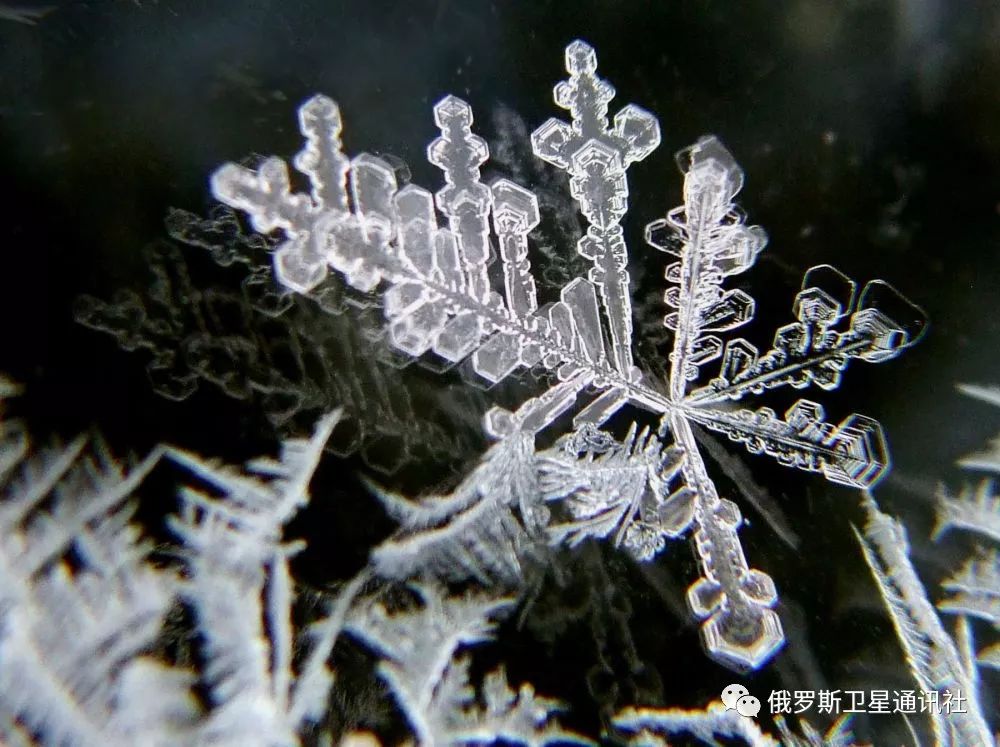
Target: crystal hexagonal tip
515	204
320	107
640	128
864	454
889	319
663	236
296	272
549	142
710	161
804	414
827	294
704	596
580	58
450	110
499	422
759	587
743	642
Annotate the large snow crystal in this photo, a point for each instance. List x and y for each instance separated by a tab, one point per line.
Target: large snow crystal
438	299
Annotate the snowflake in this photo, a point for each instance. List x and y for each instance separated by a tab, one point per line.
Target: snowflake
439	300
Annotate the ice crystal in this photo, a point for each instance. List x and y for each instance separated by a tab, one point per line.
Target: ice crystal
79	602
938	662
649	727
974	589
472	532
430	678
438	299
241	590
82	604
604	484
292	356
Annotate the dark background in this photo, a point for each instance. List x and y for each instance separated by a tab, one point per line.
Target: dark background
870	136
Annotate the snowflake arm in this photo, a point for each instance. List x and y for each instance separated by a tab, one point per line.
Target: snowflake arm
933	657
484	529
734	600
241	591
72	638
434	299
596	157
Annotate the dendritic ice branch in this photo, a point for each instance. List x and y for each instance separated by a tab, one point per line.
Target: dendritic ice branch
294	357
80	604
974	589
429	676
650	727
438	301
937	662
83	605
241	591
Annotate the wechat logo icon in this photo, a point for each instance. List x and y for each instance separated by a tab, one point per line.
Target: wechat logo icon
738	698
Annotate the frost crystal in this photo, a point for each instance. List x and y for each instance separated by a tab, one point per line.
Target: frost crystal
974	590
438	300
937	662
646	725
420	663
241	590
80	604
294	357
83	605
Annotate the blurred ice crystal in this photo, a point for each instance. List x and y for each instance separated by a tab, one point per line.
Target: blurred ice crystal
422	662
939	661
973	591
438	301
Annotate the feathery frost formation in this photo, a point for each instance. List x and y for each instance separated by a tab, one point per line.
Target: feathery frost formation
938	661
430	679
439	301
973	591
82	604
79	603
83	608
650	727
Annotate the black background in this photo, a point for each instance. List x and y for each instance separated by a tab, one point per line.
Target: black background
870	136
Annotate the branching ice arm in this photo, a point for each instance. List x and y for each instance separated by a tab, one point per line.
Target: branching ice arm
596	156
974	510
322	159
853	453
466	201
740	630
810	350
931	654
709	236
